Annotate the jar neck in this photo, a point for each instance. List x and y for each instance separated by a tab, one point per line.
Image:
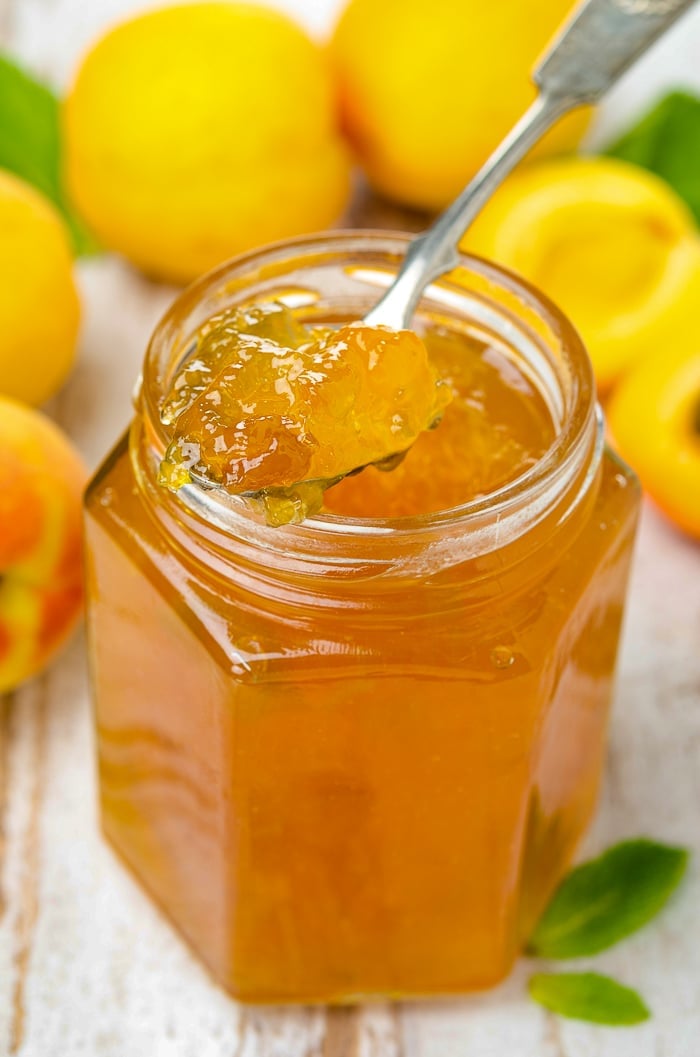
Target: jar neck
342	276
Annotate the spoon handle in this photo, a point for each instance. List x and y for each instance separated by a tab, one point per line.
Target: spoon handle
601	41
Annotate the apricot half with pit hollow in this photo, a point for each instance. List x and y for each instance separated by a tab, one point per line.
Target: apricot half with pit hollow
611	244
654	418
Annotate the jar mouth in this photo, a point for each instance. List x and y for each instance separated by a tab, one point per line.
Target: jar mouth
484	295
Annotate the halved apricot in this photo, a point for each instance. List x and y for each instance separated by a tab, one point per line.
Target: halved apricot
610	243
654	418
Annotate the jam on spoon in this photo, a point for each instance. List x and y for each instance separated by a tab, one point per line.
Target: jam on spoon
275	411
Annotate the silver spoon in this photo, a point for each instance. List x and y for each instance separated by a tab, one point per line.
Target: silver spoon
591	52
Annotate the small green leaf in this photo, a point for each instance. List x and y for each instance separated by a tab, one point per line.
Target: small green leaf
604	900
30	141
667	141
588	996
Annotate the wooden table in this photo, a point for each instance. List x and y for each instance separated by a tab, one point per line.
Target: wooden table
88	968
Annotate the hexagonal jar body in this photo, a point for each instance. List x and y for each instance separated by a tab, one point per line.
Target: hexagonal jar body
352	758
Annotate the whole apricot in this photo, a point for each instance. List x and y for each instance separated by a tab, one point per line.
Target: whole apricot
197	131
41	482
39	307
428	88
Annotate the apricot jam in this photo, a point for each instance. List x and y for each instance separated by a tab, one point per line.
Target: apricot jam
352	757
268	407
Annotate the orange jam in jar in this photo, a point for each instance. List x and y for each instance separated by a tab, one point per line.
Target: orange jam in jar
353	756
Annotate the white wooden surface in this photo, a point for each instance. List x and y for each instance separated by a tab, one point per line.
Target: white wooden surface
87	966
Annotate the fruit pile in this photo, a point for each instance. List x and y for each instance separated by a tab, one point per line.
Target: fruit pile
197	131
616	248
41	475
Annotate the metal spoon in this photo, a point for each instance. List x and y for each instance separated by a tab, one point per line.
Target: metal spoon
602	40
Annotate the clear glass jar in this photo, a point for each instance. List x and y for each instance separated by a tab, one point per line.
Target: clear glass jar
353	757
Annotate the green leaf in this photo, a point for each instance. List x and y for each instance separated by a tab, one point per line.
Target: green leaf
30	141
588	996
667	141
604	900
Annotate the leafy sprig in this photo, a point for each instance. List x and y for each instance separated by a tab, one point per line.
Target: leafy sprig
30	142
667	142
598	904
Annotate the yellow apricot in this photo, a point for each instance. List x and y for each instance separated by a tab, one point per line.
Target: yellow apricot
428	88
197	131
610	243
39	306
654	418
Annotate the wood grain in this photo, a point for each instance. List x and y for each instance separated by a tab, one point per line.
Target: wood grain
35	701
5	719
342	1032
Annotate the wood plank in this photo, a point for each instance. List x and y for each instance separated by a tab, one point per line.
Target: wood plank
24	751
341	1033
6	967
33	699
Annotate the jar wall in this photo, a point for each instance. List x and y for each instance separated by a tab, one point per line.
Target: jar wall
329	804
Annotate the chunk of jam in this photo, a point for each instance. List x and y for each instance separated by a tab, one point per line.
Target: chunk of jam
273	410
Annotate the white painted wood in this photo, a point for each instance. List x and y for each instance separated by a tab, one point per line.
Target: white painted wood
88	968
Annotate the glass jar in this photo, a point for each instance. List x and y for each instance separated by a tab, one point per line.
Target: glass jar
353	757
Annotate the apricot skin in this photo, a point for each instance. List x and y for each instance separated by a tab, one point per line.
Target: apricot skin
41	483
654	418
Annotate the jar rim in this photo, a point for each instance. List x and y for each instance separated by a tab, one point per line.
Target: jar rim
572	437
